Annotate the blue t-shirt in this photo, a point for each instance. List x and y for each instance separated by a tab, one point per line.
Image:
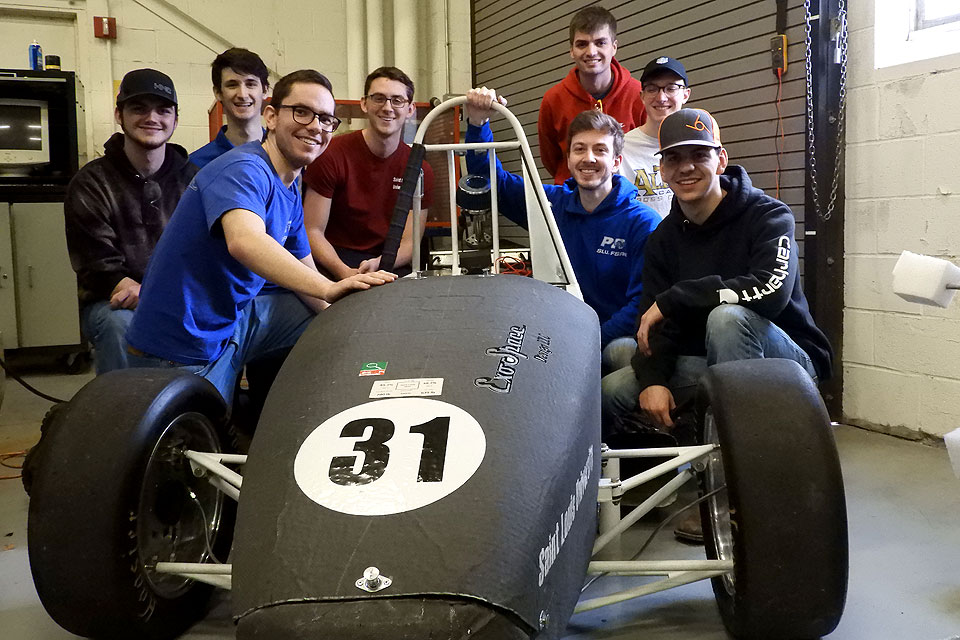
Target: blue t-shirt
194	290
213	149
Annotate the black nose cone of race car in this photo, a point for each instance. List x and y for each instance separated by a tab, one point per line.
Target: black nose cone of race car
444	432
396	618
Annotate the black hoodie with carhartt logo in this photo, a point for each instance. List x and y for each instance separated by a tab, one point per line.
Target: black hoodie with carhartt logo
745	253
114	216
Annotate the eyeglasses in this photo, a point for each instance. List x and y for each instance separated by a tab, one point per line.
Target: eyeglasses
669	89
398	102
305	116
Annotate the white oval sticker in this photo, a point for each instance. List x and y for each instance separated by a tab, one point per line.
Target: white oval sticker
389	456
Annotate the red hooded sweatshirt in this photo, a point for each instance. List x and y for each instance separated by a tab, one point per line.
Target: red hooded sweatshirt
564	100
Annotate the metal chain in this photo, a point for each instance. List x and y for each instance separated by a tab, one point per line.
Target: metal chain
841	113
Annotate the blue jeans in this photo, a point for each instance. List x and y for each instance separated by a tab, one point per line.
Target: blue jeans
617	354
733	333
104	328
270	324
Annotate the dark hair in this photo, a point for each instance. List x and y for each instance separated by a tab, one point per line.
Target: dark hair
390	73
591	20
241	61
285	84
594	120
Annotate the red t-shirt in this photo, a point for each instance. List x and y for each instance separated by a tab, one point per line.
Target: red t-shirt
363	188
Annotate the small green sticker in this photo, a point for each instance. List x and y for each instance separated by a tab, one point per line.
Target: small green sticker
373	369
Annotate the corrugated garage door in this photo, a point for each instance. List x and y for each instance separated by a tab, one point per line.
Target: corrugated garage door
521	47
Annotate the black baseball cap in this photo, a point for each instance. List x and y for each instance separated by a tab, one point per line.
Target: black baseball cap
689	126
663	63
146	82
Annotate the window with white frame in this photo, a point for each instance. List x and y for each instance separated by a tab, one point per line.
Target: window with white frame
912	30
930	14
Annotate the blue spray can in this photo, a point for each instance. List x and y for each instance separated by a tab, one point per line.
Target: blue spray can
36	56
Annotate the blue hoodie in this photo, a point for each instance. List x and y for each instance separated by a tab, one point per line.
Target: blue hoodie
605	246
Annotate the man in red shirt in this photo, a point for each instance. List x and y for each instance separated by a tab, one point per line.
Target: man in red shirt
352	188
596	82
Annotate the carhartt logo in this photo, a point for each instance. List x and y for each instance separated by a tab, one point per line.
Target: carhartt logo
662	60
698	125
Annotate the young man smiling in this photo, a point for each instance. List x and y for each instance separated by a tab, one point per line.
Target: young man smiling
117	206
720	280
240	84
665	91
603	226
239	223
720	283
597	81
352	188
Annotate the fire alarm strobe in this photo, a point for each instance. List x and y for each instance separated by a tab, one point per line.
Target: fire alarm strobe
104	27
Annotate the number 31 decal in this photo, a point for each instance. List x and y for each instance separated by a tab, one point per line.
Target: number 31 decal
389	456
374	434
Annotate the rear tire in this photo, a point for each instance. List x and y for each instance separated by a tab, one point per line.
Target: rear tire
782	516
115	495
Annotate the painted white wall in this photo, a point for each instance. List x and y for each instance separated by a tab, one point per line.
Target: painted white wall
901	361
181	38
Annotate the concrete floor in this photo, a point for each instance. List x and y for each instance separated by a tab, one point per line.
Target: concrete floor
904	511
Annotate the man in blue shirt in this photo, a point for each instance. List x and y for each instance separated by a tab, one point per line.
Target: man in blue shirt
239	223
240	85
603	226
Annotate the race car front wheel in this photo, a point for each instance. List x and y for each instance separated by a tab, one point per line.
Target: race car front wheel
776	505
114	495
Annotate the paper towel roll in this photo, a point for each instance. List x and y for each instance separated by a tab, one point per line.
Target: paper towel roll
953	450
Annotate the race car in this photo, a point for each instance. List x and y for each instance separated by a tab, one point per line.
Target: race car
428	464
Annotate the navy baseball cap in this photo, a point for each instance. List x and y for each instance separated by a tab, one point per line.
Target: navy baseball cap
663	63
689	126
146	82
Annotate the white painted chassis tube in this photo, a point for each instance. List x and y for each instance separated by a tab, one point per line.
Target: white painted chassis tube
530	182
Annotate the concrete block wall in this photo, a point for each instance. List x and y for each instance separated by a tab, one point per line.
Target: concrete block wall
181	38
901	361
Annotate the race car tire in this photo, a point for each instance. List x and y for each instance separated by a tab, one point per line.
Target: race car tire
782	516
115	495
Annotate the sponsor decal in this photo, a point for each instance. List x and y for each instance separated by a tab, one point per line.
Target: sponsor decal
510	356
551	550
406	388
373	368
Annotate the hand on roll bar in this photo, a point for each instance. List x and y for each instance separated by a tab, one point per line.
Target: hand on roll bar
479	103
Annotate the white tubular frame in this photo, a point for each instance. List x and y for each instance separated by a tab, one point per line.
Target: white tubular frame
533	187
612	525
211	466
676	572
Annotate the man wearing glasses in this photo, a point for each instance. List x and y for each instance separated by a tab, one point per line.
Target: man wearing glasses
117	205
665	91
351	189
240	223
